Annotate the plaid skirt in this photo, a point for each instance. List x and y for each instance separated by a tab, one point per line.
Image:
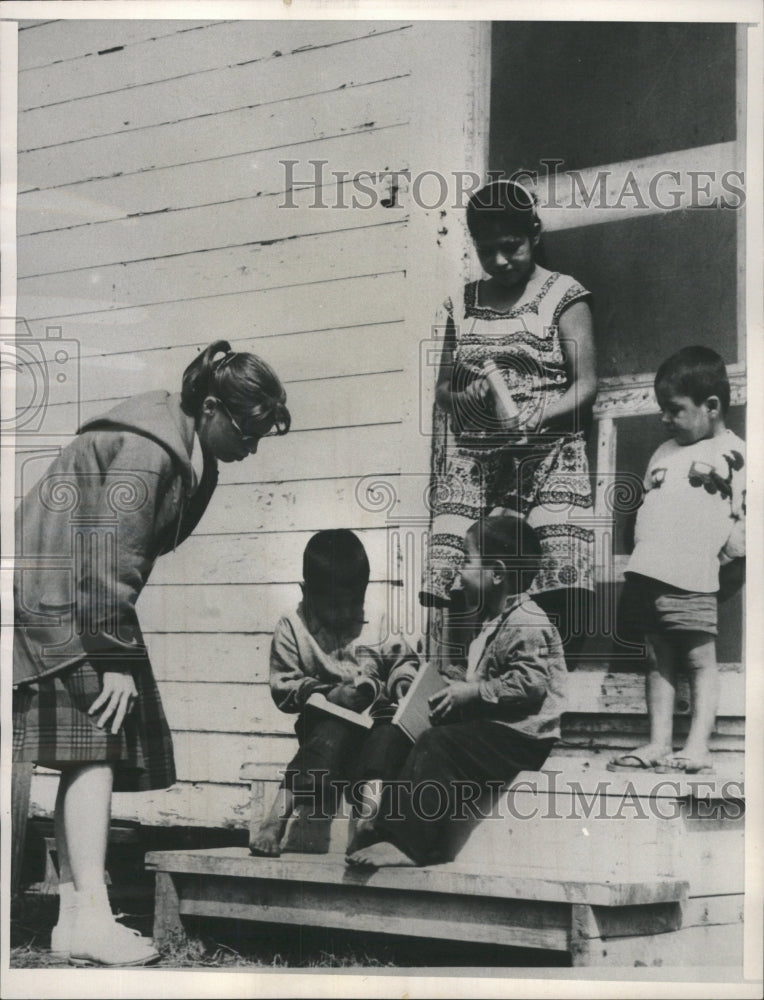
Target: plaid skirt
51	727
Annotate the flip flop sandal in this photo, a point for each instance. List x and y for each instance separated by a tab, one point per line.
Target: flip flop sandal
643	763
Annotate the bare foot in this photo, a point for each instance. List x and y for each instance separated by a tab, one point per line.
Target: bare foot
381	855
267	842
364	836
690	760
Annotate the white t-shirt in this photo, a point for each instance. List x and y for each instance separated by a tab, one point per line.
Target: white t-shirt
692	517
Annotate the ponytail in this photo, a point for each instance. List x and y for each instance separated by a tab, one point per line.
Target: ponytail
197	378
243	382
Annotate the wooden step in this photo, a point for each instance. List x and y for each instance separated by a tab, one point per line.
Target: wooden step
572	819
450	902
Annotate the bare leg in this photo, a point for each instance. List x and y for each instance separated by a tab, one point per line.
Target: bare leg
700	656
370	795
660	691
267	841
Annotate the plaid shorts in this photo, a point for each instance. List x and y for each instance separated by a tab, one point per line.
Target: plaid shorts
51	727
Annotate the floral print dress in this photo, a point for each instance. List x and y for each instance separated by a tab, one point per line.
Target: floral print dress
478	468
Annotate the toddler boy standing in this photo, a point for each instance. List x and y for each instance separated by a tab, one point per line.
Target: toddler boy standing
691	522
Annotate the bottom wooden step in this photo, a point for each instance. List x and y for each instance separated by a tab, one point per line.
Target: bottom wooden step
625	923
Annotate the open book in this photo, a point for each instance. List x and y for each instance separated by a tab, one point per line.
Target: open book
365	718
379	708
413	712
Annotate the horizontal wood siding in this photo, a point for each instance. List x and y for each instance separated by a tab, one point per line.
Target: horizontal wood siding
152	221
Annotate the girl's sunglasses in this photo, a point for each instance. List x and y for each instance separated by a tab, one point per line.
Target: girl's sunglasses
247	439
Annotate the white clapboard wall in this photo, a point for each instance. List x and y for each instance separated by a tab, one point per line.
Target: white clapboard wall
151	221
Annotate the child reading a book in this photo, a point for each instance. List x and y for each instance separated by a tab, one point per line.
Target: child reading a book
502	718
689	527
328	669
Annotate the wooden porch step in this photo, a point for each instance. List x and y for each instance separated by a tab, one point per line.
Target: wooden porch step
451	902
575	820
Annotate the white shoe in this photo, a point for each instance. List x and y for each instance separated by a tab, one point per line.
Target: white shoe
111	944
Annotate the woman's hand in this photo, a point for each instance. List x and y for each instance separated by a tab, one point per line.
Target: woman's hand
455	696
117	697
473	405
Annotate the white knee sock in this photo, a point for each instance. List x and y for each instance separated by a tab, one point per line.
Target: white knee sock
67	902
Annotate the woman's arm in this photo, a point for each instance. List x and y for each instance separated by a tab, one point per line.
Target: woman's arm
458	404
577	342
120	510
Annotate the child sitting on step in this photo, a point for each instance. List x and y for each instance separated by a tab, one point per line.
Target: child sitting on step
323	648
690	523
502	718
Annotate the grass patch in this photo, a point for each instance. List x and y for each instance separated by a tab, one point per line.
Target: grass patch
240	944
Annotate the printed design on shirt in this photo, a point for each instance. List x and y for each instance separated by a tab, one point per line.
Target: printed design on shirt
473	309
704	475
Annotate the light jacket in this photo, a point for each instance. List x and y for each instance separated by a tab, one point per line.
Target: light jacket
300	667
88	534
518	662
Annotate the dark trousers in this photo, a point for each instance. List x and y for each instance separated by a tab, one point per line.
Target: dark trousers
334	753
449	766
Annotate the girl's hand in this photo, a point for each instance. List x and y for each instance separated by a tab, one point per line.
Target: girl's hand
117	697
455	696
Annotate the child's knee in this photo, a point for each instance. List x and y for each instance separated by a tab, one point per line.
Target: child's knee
700	651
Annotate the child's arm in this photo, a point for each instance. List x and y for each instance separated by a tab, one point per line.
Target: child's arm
290	685
732	555
734	547
402	664
390	663
517	668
